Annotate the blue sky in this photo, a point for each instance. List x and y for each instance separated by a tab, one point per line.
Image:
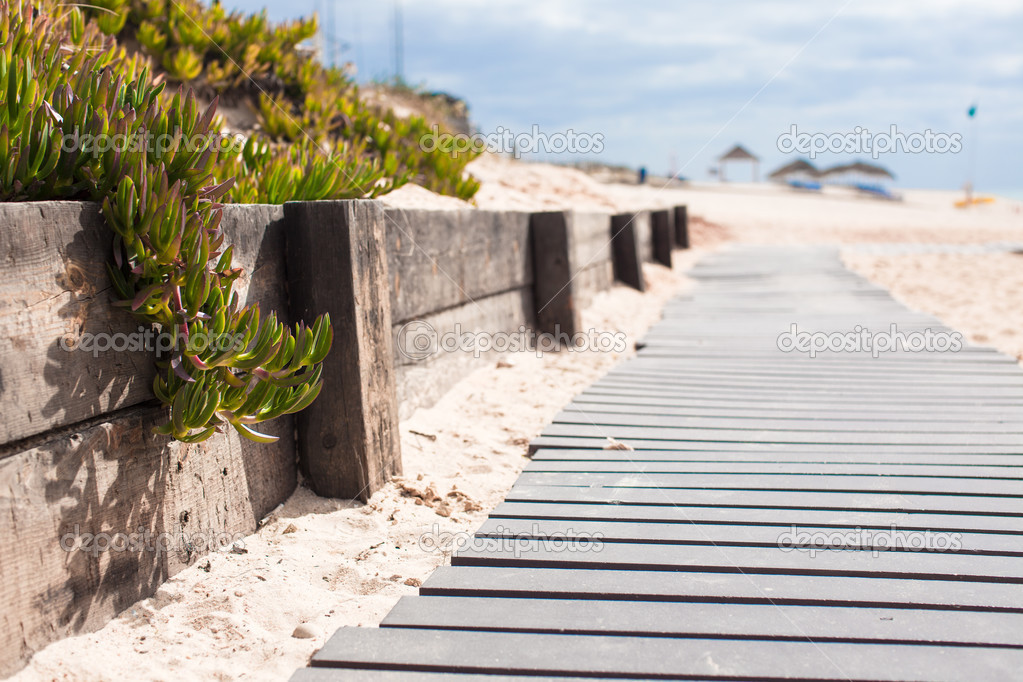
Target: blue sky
689	79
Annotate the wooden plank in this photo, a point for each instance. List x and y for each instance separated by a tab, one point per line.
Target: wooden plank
639	444
590	254
440	259
978	426
682	227
673	619
852	392
956	415
781	436
348	442
722	588
609	656
767	499
900	398
55	289
661	235
902	485
722	404
640	368
746	560
887	456
626	252
422	377
349	674
116	478
757	516
797	534
922	470
555	304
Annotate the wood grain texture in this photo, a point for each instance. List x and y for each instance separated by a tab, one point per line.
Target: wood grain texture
442	259
348	439
116	477
55	290
553	290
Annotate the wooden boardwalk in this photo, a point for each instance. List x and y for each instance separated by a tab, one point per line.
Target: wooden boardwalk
749	535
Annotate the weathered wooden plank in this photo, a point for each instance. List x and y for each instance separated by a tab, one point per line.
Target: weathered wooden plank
779	535
674	619
422	376
781	499
626	250
850	391
667	514
803	456
118	479
963	415
837	470
571	262
348	439
639	444
661	236
747	560
978	440
722	404
547	654
440	259
55	291
643	369
348	674
554	300
978	426
723	588
682	227
903	485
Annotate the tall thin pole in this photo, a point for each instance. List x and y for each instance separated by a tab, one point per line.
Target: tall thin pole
971	153
399	44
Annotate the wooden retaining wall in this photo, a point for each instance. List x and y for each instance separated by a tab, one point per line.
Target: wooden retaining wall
77	453
79	456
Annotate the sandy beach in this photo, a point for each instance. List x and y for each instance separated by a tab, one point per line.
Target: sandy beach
317	564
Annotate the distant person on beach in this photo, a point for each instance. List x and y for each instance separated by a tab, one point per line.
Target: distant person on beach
642	174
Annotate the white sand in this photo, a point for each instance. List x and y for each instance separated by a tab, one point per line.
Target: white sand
327	563
980	295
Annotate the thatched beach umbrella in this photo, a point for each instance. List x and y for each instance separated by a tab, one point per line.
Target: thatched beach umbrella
800	169
738	153
858	169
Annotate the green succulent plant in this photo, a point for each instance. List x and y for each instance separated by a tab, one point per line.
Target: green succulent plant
182	64
171	268
299	102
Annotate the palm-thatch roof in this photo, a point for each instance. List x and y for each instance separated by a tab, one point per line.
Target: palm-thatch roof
738	152
798	167
861	168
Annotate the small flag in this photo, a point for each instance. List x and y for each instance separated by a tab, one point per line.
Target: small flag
972	111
